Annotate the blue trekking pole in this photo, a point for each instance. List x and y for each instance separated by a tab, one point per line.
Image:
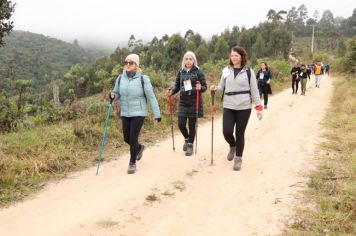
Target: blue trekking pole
104	135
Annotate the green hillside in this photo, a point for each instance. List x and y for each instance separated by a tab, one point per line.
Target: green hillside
39	58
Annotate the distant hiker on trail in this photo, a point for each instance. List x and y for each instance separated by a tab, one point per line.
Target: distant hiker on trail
239	87
295	77
303	75
134	90
186	84
264	77
327	68
318	71
309	71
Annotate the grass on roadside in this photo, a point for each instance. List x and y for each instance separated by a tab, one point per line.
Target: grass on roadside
332	187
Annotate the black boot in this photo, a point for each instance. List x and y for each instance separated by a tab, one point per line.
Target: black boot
189	151
185	144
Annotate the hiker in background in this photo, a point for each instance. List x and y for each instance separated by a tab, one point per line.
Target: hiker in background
327	68
309	71
134	90
303	75
295	77
264	77
239	87
318	71
186	84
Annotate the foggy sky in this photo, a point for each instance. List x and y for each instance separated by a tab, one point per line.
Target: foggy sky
110	22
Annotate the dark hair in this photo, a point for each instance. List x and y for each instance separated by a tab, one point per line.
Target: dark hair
242	52
267	68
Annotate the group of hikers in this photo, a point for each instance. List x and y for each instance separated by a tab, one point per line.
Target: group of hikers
301	73
239	86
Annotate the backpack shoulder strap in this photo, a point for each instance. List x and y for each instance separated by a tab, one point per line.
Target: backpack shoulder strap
118	80
249	75
143	87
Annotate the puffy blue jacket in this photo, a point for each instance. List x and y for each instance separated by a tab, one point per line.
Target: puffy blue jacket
131	96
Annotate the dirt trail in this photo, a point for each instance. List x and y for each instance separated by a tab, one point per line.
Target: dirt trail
206	200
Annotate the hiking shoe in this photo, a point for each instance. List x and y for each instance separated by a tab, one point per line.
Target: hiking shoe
189	151
237	163
185	144
140	152
132	168
231	154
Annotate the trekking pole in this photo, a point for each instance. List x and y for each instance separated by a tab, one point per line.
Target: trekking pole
196	122
212	125
171	112
104	134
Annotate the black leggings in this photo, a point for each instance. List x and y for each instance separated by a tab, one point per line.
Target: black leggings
295	82
240	119
182	124
265	95
131	127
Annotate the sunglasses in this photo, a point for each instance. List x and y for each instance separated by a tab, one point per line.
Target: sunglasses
129	63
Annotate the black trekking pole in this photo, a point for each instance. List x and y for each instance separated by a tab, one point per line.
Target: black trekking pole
171	113
196	121
104	134
212	125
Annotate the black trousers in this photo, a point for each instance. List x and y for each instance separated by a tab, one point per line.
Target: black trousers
265	94
182	124
237	119
295	83
131	127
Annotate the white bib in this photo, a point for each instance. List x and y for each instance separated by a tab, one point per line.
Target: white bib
187	85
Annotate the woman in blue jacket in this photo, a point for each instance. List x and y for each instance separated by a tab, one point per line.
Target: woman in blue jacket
134	91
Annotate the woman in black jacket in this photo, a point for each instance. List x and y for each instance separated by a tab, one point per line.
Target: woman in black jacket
295	77
264	77
189	79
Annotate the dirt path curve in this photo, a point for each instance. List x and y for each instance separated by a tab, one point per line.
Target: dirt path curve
198	199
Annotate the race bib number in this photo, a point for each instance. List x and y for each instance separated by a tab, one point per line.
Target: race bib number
261	75
301	74
187	85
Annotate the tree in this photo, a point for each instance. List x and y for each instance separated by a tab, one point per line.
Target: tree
279	43
292	17
274	16
327	20
131	42
6	10
259	47
189	34
202	54
316	15
221	49
22	87
174	51
349	60
302	14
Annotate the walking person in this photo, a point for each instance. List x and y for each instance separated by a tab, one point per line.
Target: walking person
189	79
239	87
134	90
327	68
264	77
303	75
295	77
309	71
318	71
